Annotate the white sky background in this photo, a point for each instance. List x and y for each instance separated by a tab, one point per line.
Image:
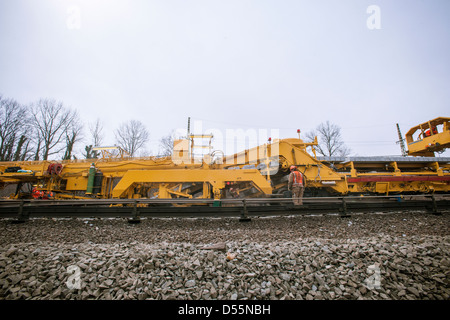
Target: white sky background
233	64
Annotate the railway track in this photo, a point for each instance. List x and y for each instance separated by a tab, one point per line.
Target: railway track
134	209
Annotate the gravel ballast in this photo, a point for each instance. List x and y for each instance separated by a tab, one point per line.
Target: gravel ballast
372	256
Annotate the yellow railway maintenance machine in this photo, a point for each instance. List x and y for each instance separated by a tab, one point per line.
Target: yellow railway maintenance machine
255	172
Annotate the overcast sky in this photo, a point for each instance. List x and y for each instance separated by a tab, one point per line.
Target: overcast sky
262	66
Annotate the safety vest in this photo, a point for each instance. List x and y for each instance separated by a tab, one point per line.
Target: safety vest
298	178
428	132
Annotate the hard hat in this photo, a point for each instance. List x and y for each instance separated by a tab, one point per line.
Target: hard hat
293	168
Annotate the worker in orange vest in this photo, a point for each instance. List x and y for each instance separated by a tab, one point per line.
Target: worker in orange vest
36	194
428	132
296	185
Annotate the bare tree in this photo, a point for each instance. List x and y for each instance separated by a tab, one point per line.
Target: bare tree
14	130
131	136
73	134
23	149
330	140
166	144
95	130
51	121
89	153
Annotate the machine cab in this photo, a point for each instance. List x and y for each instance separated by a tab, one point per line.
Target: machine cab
427	138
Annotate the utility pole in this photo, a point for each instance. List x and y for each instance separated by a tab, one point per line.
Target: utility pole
188	137
189	127
401	141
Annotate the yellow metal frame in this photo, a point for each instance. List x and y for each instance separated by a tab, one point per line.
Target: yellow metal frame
427	145
215	178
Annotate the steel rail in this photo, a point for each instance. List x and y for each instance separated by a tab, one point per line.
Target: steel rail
134	209
99	202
